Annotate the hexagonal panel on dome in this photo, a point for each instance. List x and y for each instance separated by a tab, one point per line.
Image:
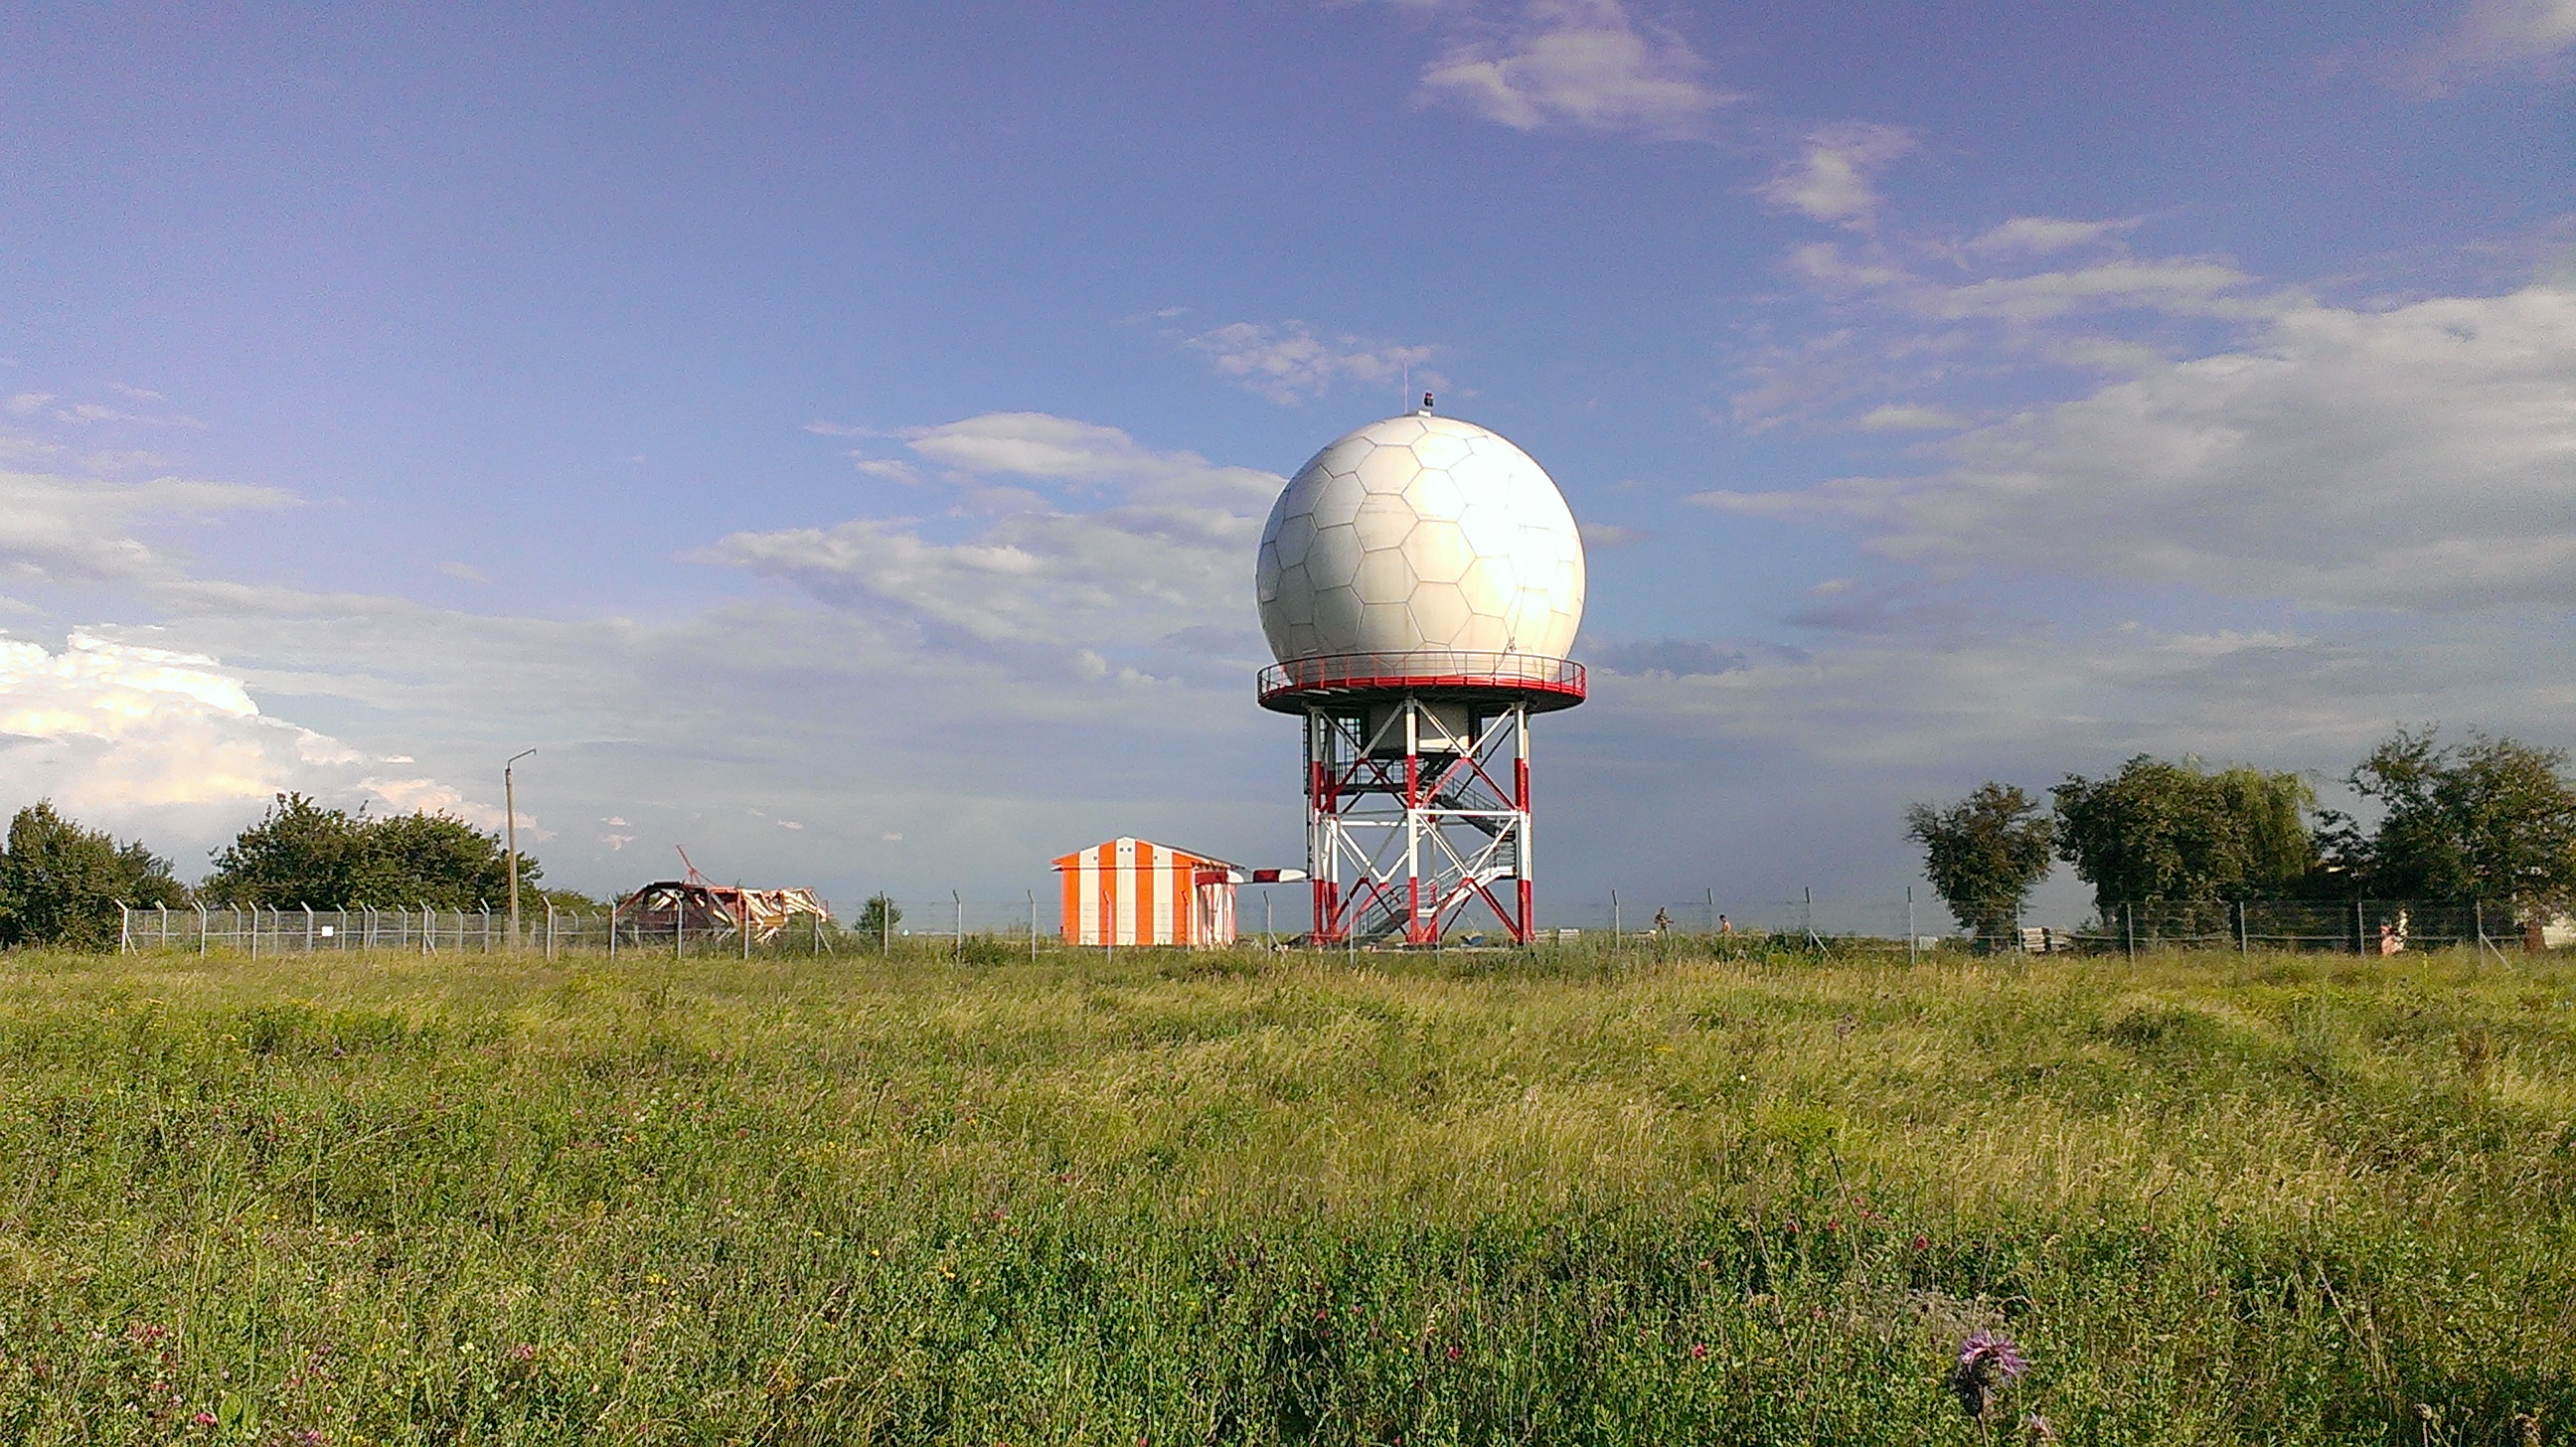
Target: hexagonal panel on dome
1490	585
1439	450
1292	536
1336	494
1334	555
1439	551
1440	614
1483	633
1295	601
1490	526
1383	518
1265	574
1337	619
1341	456
1388	469
1386	628
1397	431
1385	576
1433	493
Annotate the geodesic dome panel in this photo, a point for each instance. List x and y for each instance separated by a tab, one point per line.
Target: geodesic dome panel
1420	533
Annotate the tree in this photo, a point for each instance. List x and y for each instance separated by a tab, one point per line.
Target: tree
880	917
302	853
438	860
2163	832
1984	854
2491	818
60	884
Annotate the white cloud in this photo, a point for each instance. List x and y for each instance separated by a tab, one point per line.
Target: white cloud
139	738
1832	178
2174	285
1902	417
892	469
465	572
2496	35
1584	64
2417	458
1611	535
68	529
1288	363
2042	235
1119	551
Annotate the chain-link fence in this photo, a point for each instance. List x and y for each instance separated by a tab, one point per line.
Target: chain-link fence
424	930
2367	926
994	926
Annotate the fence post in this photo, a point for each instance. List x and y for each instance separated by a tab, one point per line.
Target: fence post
1909	923
2129	915
550	931
2360	930
613	903
1614	919
955	899
1033	923
2242	941
124	924
308	929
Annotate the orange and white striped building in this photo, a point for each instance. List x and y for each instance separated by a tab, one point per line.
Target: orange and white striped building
1134	892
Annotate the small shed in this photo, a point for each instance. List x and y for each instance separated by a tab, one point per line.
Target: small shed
1136	892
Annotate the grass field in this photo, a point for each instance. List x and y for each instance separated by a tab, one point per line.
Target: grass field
1473	1198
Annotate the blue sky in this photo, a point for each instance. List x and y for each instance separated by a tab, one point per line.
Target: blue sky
837	438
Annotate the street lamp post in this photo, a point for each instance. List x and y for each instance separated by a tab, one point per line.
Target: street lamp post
510	805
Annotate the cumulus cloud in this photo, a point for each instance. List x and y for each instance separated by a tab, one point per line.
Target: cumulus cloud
2417	458
1834	174
1579	64
141	738
1288	363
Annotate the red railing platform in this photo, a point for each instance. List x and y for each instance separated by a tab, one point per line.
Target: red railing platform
1543	684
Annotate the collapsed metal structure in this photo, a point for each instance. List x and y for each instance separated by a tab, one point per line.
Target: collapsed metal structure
1418	787
682	908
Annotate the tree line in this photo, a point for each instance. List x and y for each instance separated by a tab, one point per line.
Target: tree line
61	883
2487	818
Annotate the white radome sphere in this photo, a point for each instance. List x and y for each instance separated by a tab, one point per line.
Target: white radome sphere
1420	533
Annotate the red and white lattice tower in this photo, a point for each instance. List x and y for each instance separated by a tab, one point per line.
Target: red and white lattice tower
1421	582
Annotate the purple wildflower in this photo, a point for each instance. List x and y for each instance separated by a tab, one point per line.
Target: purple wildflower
1989	1361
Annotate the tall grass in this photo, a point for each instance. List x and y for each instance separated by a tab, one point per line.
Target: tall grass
1648	1197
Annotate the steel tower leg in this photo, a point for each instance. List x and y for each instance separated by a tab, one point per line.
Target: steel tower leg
1525	925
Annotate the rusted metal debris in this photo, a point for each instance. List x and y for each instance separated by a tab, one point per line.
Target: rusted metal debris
705	909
